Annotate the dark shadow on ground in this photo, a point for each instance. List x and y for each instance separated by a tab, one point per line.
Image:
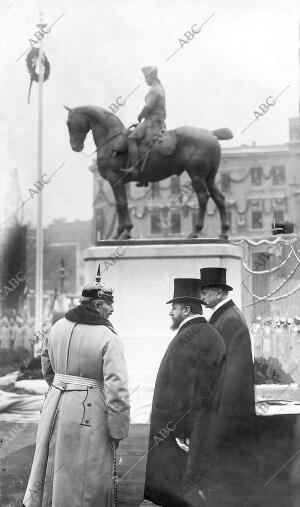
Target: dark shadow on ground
278	442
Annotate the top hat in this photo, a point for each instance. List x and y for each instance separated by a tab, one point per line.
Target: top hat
186	289
97	291
149	71
214	277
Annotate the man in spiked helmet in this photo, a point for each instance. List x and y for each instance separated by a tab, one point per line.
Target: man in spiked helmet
185	403
86	411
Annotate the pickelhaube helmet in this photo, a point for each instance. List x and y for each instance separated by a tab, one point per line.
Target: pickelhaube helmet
97	291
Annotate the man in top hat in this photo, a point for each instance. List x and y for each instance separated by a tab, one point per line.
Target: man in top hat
151	119
86	412
237	407
184	405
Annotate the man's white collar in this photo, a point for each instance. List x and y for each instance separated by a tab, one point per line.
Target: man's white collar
219	305
195	316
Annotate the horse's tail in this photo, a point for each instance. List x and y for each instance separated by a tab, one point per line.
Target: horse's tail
223	134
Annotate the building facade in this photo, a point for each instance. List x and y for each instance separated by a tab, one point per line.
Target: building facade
260	184
62	240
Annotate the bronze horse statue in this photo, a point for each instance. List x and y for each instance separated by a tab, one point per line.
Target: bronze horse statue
196	151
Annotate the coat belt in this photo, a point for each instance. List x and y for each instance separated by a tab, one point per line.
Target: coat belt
73	379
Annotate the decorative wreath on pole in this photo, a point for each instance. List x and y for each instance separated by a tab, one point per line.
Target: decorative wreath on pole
32	62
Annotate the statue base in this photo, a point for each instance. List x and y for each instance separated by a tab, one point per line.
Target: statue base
141	273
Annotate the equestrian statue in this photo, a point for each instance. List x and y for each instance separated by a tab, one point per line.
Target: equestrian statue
147	152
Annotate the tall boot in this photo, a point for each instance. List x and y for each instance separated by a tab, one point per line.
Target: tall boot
133	152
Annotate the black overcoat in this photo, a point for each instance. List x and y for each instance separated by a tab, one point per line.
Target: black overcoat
237	462
184	402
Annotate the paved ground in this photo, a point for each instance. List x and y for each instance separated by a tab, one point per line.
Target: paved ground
276	443
16	458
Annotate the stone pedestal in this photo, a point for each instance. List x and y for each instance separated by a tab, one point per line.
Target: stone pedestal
142	273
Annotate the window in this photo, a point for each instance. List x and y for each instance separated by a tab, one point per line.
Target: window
99	223
175	223
175	185
256	176
278	175
278	215
257	220
155	223
260	260
225	182
195	218
229	216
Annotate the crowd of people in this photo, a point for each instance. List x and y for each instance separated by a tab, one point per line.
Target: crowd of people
16	332
274	335
278	338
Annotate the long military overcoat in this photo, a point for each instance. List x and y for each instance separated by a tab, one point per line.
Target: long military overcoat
184	403
73	460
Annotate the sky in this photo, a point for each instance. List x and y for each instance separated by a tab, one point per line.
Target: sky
245	52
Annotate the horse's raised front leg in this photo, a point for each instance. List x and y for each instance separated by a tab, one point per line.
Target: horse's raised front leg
124	222
200	188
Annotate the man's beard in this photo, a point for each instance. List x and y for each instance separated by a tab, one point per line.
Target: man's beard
175	324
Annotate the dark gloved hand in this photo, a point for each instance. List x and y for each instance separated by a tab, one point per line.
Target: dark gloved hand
115	442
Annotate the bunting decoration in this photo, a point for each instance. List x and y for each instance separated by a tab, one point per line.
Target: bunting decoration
32	64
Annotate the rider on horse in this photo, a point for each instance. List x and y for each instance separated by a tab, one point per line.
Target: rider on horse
153	116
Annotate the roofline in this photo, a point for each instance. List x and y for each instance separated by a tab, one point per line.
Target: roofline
256	150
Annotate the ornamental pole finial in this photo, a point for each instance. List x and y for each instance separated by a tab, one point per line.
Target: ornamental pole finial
98	277
40	24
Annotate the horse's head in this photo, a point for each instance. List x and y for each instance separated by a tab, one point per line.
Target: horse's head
78	125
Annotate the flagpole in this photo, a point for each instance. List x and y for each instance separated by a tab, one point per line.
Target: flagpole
39	225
